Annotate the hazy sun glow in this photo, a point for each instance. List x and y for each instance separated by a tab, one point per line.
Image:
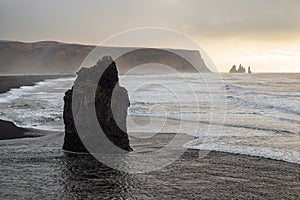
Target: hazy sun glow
262	55
261	34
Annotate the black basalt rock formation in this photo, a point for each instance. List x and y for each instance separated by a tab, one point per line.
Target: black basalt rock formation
249	70
110	103
241	69
233	69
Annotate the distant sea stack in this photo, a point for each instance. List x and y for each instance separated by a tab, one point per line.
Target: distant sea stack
240	70
249	70
51	57
107	85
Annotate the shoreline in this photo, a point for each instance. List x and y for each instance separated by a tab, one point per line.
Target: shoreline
217	175
11	131
15	81
8	129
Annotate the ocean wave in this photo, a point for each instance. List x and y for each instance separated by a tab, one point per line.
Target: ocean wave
254	100
262	103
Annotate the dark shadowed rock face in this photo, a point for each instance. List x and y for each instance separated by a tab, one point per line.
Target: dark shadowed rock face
111	104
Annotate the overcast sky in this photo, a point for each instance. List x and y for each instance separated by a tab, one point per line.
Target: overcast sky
262	33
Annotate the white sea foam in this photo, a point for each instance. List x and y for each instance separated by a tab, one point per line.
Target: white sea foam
262	111
38	107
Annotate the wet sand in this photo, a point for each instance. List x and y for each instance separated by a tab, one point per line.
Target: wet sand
37	168
218	175
10	131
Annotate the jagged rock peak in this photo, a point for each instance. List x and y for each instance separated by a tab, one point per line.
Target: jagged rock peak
113	124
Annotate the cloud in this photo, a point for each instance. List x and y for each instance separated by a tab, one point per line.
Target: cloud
100	18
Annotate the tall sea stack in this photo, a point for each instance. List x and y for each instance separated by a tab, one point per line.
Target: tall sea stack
110	104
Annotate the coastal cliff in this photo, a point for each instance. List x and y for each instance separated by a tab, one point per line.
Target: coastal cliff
51	57
112	123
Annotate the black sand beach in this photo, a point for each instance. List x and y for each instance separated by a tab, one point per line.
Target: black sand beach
42	170
8	129
37	168
11	131
10	82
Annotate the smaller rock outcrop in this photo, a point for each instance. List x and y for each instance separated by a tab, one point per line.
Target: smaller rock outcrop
249	70
233	69
108	94
241	69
